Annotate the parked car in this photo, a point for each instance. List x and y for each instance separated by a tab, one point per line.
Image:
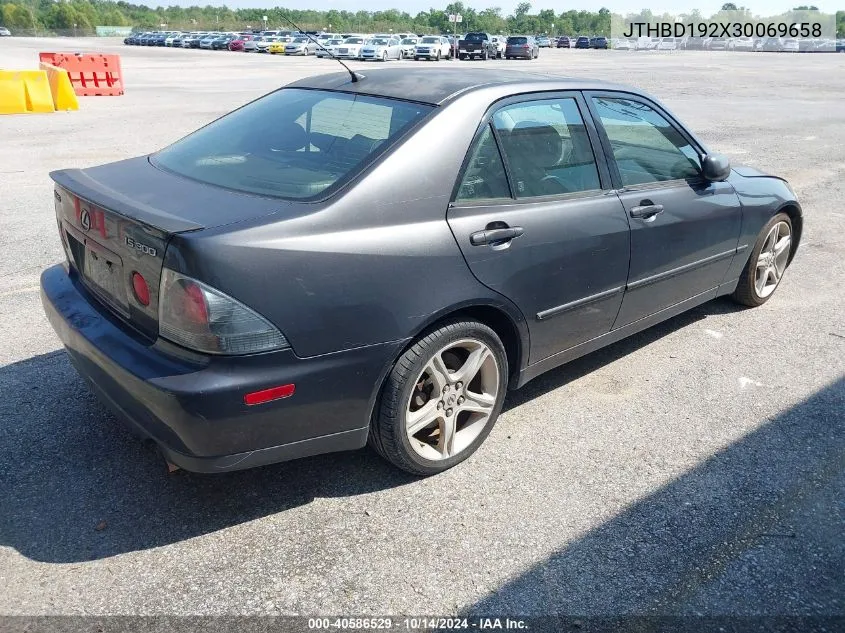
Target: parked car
499	44
693	43
840	46
381	49
433	47
239	42
4	32
717	44
667	44
251	46
221	42
544	41
624	44
564	42
476	45
582	42
207	40
599	42
521	47
170	39
350	49
162	301
301	46
772	45
326	46
263	45
192	40
407	46
741	44
790	46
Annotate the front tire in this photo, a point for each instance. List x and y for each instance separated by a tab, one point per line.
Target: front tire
767	263
442	398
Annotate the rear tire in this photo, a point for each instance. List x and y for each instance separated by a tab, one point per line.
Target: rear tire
767	263
441	399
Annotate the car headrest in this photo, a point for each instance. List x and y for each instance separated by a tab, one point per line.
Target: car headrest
539	144
288	136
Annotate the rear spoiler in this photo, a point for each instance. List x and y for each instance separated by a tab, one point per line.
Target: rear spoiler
78	182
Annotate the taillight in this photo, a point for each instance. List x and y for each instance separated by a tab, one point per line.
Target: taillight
526	46
201	318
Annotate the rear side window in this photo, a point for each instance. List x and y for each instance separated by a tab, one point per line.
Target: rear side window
646	146
292	143
547	148
485	176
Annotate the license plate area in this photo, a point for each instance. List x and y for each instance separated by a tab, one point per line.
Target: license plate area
101	270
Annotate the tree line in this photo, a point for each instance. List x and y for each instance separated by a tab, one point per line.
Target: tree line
81	16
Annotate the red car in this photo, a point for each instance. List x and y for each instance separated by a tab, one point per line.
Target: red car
237	44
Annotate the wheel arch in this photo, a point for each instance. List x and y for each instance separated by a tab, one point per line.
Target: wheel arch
796	218
506	320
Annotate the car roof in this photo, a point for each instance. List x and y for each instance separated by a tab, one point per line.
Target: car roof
437	86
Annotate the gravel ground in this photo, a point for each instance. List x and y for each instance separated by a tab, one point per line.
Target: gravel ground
695	468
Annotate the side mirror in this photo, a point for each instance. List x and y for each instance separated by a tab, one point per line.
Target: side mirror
715	167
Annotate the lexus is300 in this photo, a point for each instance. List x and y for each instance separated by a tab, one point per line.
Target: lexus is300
320	269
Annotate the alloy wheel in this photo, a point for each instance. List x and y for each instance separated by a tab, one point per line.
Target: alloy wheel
772	260
453	399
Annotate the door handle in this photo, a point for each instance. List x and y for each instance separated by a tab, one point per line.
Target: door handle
646	209
492	236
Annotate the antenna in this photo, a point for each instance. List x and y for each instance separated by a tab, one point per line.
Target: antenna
351	74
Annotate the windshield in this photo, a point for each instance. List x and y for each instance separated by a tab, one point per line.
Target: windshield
407	41
430	40
354	40
475	37
378	42
292	143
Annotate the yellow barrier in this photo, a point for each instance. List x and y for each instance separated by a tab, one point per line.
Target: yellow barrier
25	91
64	98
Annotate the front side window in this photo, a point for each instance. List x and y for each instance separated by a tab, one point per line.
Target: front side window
547	148
485	176
646	147
292	143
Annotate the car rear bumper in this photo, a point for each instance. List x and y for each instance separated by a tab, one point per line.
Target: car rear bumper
193	407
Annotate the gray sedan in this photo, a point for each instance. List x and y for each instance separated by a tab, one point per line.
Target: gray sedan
310	273
381	49
301	46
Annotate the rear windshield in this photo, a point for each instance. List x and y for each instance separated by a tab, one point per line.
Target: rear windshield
475	37
292	143
517	40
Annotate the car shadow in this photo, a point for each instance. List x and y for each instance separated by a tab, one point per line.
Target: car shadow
754	530
68	467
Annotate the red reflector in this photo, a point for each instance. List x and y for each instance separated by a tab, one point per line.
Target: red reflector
142	290
266	395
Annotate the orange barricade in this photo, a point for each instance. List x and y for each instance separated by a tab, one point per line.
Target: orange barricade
89	73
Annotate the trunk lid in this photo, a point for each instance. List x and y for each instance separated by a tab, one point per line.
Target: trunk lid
116	220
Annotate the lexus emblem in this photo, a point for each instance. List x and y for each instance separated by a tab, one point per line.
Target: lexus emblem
85	219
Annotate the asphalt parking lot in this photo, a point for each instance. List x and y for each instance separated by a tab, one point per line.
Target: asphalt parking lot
698	467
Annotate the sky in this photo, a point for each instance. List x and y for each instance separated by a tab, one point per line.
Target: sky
707	7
